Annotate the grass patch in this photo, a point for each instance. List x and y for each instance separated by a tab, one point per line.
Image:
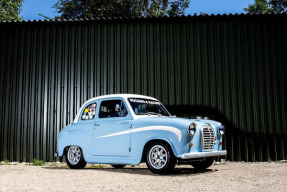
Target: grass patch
95	166
64	165
5	162
269	160
56	164
52	164
36	162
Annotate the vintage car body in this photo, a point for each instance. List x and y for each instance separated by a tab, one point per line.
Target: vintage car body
123	139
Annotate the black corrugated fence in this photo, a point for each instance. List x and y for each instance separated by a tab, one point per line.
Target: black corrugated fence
231	68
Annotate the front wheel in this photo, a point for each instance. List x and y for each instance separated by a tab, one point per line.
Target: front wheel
204	164
75	158
160	159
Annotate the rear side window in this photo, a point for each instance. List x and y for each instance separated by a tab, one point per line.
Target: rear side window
112	108
89	112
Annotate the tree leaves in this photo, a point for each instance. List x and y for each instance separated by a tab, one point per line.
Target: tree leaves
10	9
278	6
72	9
267	6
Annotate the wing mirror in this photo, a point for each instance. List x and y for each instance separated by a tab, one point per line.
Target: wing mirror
117	107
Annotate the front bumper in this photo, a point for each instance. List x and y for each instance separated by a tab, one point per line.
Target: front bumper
203	154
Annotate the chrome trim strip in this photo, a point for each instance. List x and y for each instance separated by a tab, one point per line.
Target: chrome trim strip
203	154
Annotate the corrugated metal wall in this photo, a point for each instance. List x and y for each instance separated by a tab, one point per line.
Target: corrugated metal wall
229	68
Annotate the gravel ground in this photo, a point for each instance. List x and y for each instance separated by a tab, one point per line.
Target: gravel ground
231	176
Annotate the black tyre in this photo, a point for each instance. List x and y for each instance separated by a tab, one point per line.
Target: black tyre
204	164
159	158
74	158
118	166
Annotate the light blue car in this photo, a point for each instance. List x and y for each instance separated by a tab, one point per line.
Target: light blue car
129	129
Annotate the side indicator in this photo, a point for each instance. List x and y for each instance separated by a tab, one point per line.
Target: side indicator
220	143
191	144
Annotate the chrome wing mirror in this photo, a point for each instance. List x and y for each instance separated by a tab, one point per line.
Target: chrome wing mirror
117	107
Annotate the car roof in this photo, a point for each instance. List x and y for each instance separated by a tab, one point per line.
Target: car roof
125	96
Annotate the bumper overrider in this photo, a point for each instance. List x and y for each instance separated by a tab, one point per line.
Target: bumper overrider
203	154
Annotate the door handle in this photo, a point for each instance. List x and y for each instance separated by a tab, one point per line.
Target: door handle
127	122
96	124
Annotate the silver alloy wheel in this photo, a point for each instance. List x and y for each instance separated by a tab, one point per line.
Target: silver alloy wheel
74	155
157	157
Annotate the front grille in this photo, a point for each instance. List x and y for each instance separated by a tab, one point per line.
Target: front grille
207	138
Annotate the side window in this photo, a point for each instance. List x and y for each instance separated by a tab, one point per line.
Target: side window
89	112
112	108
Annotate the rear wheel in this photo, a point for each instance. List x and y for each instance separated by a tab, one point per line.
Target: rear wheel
204	164
75	158
118	166
160	158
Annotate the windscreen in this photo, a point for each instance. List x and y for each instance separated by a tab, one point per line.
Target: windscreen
148	107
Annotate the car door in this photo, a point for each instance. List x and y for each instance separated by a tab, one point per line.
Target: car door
112	129
85	126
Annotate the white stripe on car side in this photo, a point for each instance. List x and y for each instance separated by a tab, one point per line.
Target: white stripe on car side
150	128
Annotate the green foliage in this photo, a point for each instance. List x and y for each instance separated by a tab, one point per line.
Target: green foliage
259	6
36	162
203	14
10	10
44	16
5	162
95	166
73	9
267	6
278	6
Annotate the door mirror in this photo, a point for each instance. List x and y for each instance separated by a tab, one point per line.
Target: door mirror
117	107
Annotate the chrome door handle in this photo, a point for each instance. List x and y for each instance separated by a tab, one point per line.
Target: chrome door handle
127	122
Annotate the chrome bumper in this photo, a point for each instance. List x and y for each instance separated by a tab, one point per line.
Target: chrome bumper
56	154
203	154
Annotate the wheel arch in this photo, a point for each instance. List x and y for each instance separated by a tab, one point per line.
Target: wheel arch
74	137
150	142
65	149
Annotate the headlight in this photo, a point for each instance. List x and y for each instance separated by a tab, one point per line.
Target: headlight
221	129
191	129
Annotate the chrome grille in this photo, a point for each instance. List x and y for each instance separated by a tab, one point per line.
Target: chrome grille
207	138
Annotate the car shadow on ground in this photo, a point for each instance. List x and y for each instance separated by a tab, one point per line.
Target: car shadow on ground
146	171
55	168
143	171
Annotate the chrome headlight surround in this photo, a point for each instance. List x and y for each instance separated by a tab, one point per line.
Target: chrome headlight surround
221	129
191	129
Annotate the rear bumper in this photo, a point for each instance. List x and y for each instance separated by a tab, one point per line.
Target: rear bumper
203	154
